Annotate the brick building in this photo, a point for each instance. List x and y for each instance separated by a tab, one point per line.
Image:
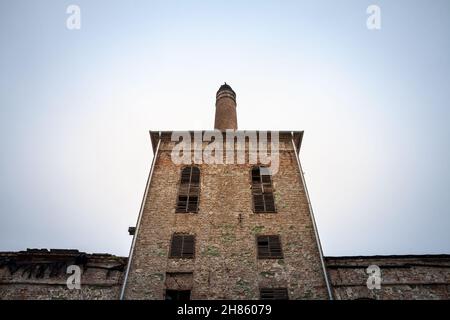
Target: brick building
223	231
240	241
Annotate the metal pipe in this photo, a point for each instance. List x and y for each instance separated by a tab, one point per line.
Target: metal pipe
147	187
322	261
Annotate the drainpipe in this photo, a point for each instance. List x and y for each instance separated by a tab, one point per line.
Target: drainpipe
147	187
322	260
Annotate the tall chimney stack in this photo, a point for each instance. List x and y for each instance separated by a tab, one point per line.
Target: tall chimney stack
225	108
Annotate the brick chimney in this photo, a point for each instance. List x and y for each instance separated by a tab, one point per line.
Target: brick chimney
225	108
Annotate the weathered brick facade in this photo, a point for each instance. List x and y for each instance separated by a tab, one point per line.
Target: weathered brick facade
225	265
41	274
403	277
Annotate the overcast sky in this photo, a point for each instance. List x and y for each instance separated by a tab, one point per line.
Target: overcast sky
76	107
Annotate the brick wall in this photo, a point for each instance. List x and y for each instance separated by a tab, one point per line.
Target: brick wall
225	265
41	274
403	277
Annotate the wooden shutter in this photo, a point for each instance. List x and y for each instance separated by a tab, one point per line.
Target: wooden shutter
269	247
262	190
189	190
182	246
274	294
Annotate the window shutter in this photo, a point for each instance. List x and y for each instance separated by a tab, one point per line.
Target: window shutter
262	190
189	190
269	247
182	246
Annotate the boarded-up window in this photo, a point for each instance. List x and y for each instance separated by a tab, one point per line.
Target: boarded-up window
262	190
269	247
273	294
189	191
182	246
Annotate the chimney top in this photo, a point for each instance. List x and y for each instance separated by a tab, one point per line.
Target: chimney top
225	87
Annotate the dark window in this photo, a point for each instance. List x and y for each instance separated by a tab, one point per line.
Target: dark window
262	190
273	294
189	190
178	295
269	247
183	246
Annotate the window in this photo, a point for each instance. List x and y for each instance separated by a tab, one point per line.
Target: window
262	190
269	247
189	190
273	294
178	285
178	295
182	246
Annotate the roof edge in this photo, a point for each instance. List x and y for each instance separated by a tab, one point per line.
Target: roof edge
297	136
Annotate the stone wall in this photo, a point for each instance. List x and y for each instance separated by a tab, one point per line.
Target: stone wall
403	277
225	264
41	274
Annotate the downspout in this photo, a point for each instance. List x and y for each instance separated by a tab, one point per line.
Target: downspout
147	187
322	260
